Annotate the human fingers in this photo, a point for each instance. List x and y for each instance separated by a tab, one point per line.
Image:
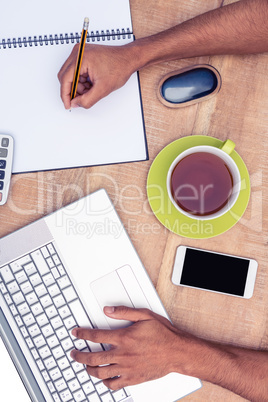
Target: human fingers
97	335
130	314
94	359
104	372
93	95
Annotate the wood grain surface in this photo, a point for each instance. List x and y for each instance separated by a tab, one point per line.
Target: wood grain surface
238	112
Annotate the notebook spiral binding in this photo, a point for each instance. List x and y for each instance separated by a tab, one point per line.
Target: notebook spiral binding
97	36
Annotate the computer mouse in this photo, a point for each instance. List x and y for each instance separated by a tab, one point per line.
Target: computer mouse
189	85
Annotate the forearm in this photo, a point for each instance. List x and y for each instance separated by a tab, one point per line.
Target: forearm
243	371
238	28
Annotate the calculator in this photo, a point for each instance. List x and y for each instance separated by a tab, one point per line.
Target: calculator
6	157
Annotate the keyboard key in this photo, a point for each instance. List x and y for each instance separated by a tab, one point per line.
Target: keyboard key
51	249
34	330
63	282
51	311
50	363
67	344
41	290
18	264
59	301
31	298
101	388
47	330
83	377
40	364
3	289
94	397
80	344
46	301
51	387
35	354
18	298
69	294
107	397
69	323
68	374
39	341
45	252
45	376
30	268
73	385
118	395
55	273
26	287
21	277
61	270
56	259
42	320
50	262
58	352
29	342
28	319
52	341
64	312
48	279
55	374
40	262
6	274
63	363
35	279
88	387
19	321
53	290
3	164
24	332
56	322
77	366
44	352
13	309
37	309
65	395
8	299
23	309
13	287
79	396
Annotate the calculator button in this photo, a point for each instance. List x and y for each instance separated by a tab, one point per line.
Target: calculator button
5	142
2	174
1	197
3	152
3	164
1	185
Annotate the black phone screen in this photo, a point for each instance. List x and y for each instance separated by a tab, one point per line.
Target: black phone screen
220	273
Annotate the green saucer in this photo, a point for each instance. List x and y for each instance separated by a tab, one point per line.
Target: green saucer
165	211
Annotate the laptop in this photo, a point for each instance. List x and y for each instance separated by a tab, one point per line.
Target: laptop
58	273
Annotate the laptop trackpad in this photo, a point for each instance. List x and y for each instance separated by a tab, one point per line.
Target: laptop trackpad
119	288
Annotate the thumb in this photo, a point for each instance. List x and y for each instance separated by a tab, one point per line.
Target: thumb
127	313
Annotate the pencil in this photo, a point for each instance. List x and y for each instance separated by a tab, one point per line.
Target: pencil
79	57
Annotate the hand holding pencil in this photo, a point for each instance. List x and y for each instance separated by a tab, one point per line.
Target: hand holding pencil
95	71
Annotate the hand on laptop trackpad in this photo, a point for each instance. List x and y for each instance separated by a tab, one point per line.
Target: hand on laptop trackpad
119	288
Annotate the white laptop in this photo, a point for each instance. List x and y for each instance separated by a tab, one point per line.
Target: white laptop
59	273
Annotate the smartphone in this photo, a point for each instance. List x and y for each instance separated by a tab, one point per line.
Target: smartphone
215	272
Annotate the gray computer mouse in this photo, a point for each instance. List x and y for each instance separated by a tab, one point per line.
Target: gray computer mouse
188	86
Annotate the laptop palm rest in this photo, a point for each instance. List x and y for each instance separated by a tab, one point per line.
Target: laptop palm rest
119	288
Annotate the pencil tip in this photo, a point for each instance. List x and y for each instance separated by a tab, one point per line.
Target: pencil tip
70	109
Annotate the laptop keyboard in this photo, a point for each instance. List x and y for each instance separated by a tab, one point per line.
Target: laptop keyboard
46	306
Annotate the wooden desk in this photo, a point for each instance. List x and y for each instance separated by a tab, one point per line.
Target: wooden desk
238	112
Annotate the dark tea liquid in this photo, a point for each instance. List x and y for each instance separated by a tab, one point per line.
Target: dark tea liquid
201	183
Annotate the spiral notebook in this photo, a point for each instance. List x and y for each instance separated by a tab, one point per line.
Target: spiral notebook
35	40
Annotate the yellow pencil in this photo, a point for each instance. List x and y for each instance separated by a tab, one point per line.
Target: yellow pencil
79	57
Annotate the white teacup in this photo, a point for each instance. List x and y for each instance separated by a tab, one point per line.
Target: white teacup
224	154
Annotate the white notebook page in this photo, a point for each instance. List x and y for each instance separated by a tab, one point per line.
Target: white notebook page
46	135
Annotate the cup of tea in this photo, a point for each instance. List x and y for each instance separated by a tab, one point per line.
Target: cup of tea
204	182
